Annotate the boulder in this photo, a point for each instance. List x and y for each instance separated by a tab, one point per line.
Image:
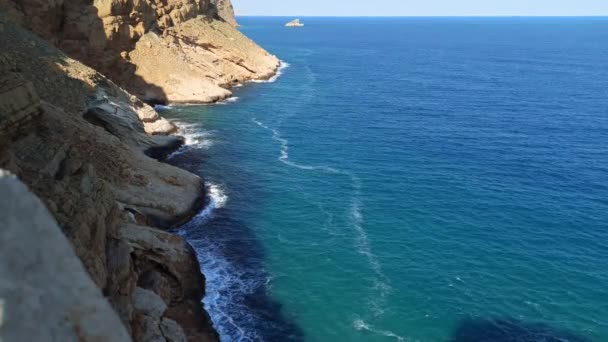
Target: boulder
148	303
167	265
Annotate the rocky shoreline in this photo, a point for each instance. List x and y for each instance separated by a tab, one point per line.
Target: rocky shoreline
76	129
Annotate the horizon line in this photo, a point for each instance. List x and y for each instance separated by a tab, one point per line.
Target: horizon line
430	16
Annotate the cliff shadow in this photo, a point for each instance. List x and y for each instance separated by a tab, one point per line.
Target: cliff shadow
91	45
506	329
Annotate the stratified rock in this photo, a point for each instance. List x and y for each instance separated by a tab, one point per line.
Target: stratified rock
76	88
161	51
83	144
45	292
18	100
196	61
87	163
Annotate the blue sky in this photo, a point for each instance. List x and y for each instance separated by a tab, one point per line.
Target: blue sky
420	7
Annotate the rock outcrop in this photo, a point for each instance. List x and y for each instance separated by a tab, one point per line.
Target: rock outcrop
294	23
225	10
160	50
45	292
79	142
76	80
197	62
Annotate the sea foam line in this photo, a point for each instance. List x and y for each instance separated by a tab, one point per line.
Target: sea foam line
362	240
359	324
222	278
284	156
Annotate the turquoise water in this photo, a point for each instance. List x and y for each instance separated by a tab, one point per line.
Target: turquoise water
431	179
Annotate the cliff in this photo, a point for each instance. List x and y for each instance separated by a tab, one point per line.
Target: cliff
75	309
160	50
225	11
76	129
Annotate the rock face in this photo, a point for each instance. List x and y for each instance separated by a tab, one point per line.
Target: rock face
225	10
165	267
196	62
79	142
45	292
76	129
160	50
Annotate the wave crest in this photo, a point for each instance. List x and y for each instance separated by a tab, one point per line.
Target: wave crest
284	65
216	199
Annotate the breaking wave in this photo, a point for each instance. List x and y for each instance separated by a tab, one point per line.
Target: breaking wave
275	77
216	199
194	137
228	100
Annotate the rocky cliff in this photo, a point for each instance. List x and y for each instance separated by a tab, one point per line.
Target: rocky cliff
76	129
160	50
225	11
75	308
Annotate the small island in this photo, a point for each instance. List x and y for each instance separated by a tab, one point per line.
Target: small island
294	23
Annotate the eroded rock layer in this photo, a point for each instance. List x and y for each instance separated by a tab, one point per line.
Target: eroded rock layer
79	142
75	127
160	50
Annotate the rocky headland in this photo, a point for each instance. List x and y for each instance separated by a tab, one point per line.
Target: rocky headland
77	130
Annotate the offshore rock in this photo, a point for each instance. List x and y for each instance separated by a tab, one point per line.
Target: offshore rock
294	23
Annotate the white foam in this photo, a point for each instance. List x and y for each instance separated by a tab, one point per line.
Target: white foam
194	136
217	196
217	199
361	325
284	155
381	283
228	100
275	77
222	280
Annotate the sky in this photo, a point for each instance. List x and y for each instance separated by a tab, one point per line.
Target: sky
421	7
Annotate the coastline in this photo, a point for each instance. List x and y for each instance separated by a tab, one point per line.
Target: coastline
230	255
95	153
164	153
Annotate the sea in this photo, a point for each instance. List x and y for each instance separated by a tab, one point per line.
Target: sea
408	179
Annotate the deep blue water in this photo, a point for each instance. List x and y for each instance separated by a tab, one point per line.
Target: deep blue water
409	179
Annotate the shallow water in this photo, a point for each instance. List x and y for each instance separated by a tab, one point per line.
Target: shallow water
413	179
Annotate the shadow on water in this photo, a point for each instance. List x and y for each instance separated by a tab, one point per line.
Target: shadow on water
242	286
511	330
